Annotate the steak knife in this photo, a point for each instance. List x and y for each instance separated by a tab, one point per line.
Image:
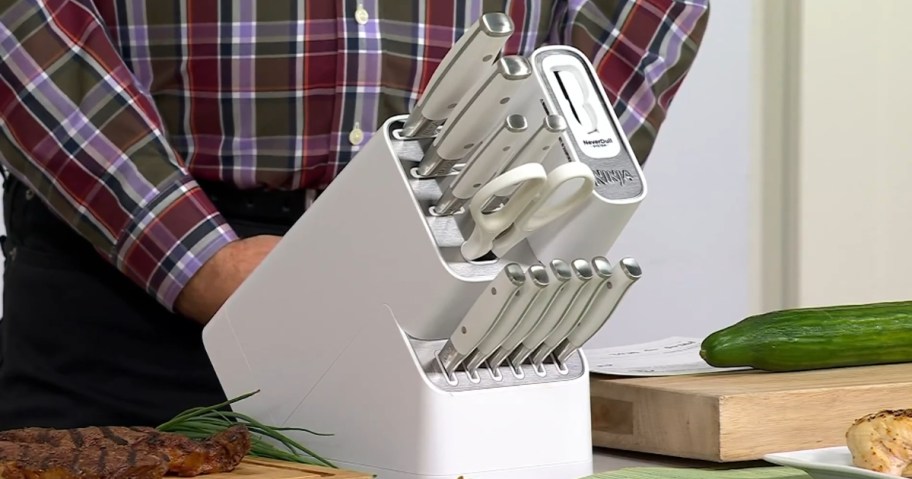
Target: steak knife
580	274
536	281
572	315
461	68
474	115
482	316
623	275
482	165
561	273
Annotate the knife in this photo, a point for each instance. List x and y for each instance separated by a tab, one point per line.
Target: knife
561	273
474	115
535	283
482	316
572	315
580	274
623	275
534	151
461	68
482	164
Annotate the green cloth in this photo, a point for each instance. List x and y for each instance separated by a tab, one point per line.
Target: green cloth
774	472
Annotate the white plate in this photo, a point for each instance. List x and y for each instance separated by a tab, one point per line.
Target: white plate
825	463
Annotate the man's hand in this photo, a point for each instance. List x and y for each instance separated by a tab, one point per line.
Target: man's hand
219	277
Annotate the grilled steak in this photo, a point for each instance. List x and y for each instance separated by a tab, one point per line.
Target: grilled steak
182	456
42	461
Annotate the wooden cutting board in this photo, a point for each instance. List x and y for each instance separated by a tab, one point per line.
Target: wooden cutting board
741	415
257	468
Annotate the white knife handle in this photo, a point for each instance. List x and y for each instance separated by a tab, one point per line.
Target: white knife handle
474	114
581	274
623	275
572	315
540	143
482	164
475	50
560	273
509	320
482	316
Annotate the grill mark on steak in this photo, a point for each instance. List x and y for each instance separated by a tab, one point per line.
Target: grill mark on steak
44	461
182	456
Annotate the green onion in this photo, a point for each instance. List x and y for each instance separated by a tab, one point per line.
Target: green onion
203	422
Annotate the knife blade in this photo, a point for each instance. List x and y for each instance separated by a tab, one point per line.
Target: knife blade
535	150
623	275
474	114
561	273
482	164
572	315
536	281
482	316
460	68
580	274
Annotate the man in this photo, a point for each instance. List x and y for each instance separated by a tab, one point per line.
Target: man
158	150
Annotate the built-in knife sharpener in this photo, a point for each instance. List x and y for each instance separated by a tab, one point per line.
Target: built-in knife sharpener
565	83
339	330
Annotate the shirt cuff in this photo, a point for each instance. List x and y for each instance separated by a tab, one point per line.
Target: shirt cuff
171	236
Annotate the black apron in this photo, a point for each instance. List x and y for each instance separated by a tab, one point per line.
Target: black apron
82	345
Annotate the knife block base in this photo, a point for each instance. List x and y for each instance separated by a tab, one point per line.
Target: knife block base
333	328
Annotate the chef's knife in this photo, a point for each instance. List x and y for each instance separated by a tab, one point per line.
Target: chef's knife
482	316
474	115
581	273
561	273
534	151
623	275
572	315
461	68
482	164
536	281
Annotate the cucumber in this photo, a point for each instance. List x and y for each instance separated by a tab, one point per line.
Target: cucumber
815	338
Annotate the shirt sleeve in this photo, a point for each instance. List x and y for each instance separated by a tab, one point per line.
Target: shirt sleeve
78	128
641	49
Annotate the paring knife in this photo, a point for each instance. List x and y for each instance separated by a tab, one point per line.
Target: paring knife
534	151
536	281
572	315
559	275
482	316
474	115
483	163
461	68
623	275
581	273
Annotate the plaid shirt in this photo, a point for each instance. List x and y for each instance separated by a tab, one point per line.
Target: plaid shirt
111	110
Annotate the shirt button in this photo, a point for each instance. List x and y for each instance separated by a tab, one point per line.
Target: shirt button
356	136
361	15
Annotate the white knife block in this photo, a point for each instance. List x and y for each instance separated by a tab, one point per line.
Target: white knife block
339	326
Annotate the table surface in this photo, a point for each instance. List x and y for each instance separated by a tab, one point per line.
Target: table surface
604	460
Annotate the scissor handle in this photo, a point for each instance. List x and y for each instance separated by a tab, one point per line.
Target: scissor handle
529	178
540	212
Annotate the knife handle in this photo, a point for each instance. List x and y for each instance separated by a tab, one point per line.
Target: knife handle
559	274
581	273
623	275
575	311
535	283
482	164
474	114
482	316
476	49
